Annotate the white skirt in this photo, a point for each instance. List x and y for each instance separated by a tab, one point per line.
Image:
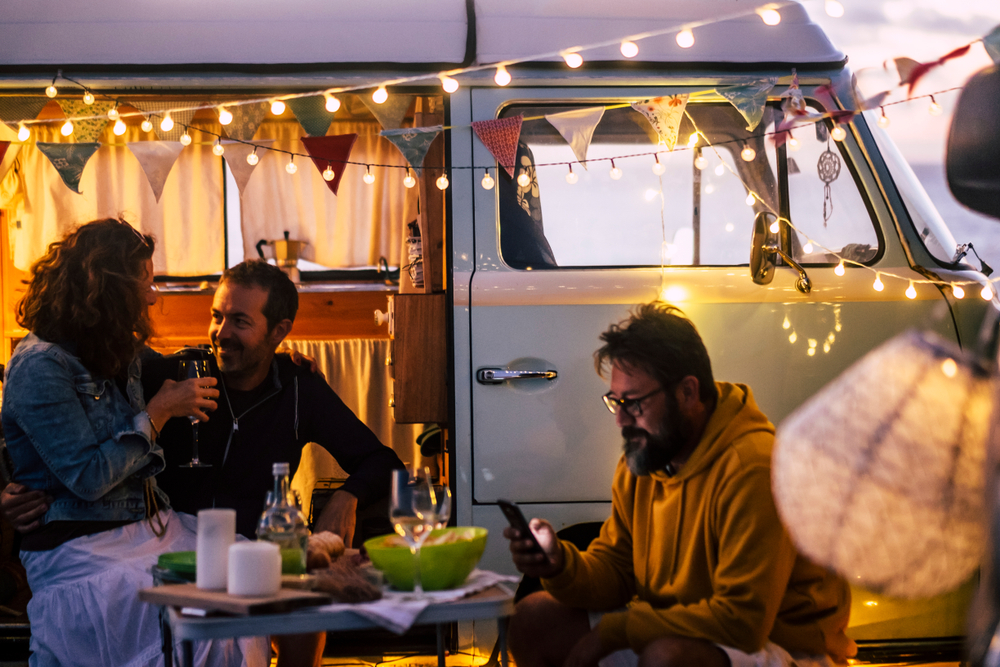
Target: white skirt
85	608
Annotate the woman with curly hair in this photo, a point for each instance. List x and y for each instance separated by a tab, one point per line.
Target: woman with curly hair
79	430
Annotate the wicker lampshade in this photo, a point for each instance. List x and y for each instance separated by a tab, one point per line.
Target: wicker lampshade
879	476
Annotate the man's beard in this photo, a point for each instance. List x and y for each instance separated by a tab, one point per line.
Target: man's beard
645	452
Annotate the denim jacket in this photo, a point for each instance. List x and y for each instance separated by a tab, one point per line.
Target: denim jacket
73	434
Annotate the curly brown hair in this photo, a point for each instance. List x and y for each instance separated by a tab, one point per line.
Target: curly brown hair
87	291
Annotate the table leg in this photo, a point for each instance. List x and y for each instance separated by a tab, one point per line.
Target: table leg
502	640
440	643
187	653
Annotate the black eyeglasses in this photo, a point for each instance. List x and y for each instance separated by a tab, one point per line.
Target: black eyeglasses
632	406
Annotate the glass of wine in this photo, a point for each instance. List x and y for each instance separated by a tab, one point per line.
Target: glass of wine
194	368
407	496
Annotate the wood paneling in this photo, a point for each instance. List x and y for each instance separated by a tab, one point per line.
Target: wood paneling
420	353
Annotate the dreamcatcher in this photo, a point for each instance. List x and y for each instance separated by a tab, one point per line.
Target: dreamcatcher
829	170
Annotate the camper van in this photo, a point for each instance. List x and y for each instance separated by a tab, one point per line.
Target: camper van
458	300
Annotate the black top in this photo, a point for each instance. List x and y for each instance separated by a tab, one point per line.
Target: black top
268	424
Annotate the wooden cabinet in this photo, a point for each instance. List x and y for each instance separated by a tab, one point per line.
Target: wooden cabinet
420	359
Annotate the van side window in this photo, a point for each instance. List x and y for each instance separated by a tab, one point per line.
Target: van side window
696	213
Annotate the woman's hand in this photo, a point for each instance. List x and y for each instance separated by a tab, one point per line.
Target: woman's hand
194	397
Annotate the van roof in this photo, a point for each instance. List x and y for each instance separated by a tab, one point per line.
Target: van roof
111	34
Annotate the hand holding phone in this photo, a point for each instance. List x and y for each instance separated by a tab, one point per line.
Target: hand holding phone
534	561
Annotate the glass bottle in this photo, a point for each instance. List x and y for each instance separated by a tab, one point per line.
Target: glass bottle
284	524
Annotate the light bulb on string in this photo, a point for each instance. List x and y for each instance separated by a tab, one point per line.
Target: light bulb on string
119	128
51	91
685	39
185	138
502	77
523	179
88	98
277	107
67	128
720	170
911	291
449	84
332	103
770	16
658	167
957	291
701	162
629	49
775	226
934	108
409	181
146	125
808	247
751	200
167	123
793	143
113	113
253	158
615	172
291	167
225	116
218	149
838	133
883	120
573	59
23	133
792	337
834	8
693	140
369	177
840	269
748	154
380	95
329	174
442	182
878	286
987	292
571	178
487	181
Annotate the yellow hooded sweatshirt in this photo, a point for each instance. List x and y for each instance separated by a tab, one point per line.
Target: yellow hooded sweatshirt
703	554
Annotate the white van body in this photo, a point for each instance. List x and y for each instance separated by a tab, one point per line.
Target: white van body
549	444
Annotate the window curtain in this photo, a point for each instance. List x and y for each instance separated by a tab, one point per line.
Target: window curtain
352	229
187	222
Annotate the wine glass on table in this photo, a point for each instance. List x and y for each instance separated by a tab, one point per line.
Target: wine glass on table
407	496
194	368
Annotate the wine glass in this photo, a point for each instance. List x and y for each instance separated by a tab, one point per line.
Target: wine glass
194	368
406	497
441	506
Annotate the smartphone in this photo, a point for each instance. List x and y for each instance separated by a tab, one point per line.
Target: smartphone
517	521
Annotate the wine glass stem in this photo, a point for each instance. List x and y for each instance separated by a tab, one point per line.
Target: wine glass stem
418	590
194	444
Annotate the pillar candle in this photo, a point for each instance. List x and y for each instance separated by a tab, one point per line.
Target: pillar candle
254	569
216	531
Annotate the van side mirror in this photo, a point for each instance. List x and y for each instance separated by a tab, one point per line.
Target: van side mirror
762	260
973	153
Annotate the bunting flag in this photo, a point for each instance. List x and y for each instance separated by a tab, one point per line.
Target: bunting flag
312	114
664	114
180	118
86	130
3	151
749	99
500	137
911	72
331	152
69	160
246	119
390	113
990	41
236	157
8	155
413	143
577	128
15	109
156	159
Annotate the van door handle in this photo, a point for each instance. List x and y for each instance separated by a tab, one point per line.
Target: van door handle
499	376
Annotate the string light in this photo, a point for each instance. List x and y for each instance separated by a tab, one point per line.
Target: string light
332	103
146	125
67	128
119	128
748	154
883	120
658	167
808	247
253	158
487	181
409	181
502	77
701	162
792	337
693	140
750	202
380	95
878	286
685	39
629	49
838	133
987	292
949	367
957	291
911	291
185	138
277	107
840	269
615	172
793	143
23	133
786	324
167	123
573	59
88	98
720	170
369	177
934	108
770	16
834	9
523	179
775	226
449	84
571	178
113	113
51	91
225	116
291	168
328	174
442	182
218	148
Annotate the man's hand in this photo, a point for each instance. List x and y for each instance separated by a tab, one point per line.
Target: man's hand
587	652
529	561
339	516
188	398
24	507
300	359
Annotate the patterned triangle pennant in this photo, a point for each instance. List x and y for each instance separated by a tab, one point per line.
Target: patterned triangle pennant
246	119
664	114
86	130
312	114
413	143
331	152
154	112
15	109
500	138
390	113
577	128
236	157
990	41
69	160
749	99
156	159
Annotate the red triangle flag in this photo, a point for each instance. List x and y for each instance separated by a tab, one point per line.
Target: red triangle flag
500	137
332	152
3	149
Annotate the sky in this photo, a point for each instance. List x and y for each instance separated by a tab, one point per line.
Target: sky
873	31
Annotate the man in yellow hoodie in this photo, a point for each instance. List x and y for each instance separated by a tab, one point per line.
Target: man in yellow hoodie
693	567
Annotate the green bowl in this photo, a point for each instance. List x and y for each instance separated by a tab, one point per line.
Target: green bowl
442	566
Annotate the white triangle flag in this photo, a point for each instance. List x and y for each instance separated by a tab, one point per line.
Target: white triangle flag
236	158
577	128
157	159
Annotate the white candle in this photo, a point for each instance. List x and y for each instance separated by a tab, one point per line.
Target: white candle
254	569
216	531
